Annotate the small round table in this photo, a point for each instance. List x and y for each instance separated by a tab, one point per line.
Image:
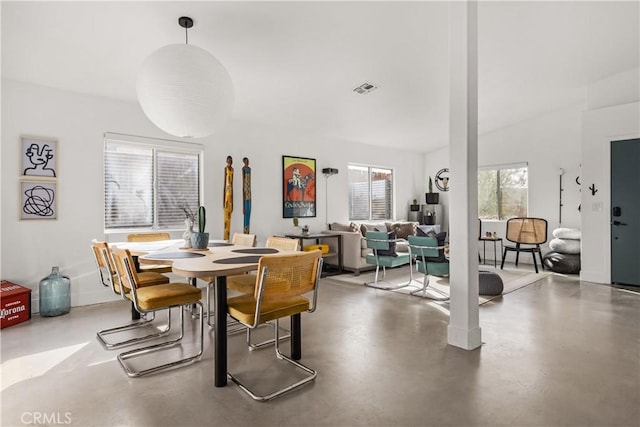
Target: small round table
486	239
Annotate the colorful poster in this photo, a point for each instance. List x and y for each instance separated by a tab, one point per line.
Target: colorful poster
299	190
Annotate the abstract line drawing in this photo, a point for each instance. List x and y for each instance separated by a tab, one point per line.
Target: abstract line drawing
38	200
39	157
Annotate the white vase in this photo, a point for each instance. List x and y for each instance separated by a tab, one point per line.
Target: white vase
188	232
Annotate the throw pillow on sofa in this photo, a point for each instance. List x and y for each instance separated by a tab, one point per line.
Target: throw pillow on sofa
392	246
337	226
440	237
404	229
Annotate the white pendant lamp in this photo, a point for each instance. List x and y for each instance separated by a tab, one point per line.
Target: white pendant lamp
184	90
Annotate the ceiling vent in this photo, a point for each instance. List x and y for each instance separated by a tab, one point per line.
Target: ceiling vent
365	88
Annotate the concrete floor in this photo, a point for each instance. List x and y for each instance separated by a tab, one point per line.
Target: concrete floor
556	353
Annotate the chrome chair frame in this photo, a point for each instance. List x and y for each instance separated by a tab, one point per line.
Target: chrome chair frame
106	278
123	357
312	374
377	244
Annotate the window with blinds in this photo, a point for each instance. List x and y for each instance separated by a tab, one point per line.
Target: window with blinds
503	191
370	193
149	183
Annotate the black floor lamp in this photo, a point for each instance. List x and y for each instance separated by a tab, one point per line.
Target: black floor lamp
327	172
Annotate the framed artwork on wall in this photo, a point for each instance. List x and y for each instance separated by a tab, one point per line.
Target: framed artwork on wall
38	200
299	187
39	156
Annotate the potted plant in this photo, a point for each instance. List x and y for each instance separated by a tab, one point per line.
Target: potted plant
200	240
415	207
296	225
432	198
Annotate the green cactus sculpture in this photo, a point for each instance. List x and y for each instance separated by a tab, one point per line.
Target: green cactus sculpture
200	240
202	219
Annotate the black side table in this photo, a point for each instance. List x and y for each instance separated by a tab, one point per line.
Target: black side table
486	239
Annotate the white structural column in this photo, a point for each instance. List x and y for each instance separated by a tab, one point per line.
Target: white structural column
464	327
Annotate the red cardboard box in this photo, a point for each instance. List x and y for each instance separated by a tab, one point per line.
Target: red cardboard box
15	303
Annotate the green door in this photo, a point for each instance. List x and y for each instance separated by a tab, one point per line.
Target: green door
625	212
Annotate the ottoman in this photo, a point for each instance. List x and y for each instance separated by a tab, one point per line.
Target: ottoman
489	283
562	263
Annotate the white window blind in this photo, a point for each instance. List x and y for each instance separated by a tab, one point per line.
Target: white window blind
149	182
370	193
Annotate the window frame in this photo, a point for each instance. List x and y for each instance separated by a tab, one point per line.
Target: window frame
156	145
498	168
391	197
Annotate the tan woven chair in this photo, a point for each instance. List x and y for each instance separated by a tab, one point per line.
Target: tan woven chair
531	232
109	278
246	283
242	239
151	237
281	282
151	299
283	243
148	237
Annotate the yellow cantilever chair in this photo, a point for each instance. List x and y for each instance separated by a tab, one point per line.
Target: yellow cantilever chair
246	283
151	237
153	298
148	237
109	278
281	283
242	239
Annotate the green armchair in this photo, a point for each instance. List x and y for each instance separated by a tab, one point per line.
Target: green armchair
382	245
428	253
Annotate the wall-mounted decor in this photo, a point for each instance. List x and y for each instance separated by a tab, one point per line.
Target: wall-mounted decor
442	179
39	156
299	187
38	200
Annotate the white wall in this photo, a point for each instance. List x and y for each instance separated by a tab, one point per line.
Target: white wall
619	89
619	118
547	143
30	248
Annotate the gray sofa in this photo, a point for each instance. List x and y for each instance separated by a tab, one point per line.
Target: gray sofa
354	247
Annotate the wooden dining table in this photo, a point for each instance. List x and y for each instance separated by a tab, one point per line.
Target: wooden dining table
215	264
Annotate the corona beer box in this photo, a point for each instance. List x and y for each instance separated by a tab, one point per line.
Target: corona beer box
15	304
323	248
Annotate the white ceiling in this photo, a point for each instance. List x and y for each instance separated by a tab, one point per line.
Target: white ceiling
294	64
